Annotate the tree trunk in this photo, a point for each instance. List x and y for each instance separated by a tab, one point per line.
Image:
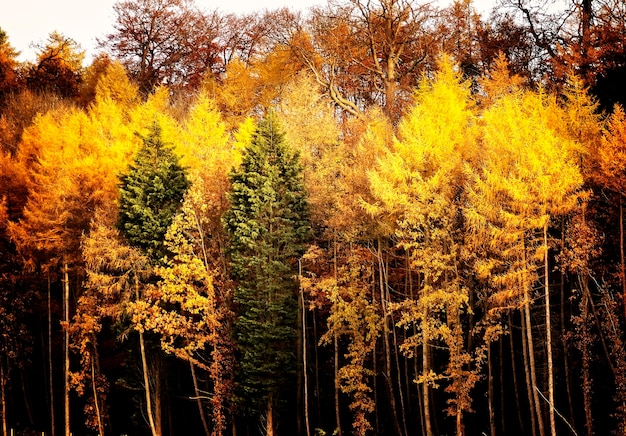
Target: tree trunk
566	370
66	334
337	414
270	417
50	373
514	371
336	353
621	252
382	283
492	422
205	424
3	400
586	359
529	385
304	356
546	272
425	385
531	363
95	394
146	375
146	381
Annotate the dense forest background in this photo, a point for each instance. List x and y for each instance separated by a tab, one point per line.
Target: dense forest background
374	217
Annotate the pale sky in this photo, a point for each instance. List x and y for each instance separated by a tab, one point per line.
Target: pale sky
29	22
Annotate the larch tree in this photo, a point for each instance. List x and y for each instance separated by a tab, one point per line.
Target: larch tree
529	177
417	186
69	179
268	226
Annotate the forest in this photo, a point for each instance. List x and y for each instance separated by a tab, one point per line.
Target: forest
373	217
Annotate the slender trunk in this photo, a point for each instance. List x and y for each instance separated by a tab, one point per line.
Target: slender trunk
546	272
621	252
568	376
52	427
304	356
146	375
337	414
514	371
492	422
3	399
95	395
531	361
196	389
382	283
146	381
300	364
586	358
425	385
66	334
317	370
336	353
529	385
270	417
501	382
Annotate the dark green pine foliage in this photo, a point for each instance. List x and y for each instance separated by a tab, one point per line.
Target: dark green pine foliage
268	227
151	194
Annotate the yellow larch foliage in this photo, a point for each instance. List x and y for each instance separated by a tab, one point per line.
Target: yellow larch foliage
156	110
311	129
612	153
416	186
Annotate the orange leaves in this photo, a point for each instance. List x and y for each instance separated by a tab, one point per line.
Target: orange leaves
612	153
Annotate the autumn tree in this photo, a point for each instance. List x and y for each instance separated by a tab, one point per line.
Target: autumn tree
190	307
417	184
367	53
58	68
268	226
8	66
163	42
517	193
150	195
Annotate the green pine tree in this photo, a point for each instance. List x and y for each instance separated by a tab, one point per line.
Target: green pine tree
151	194
268	226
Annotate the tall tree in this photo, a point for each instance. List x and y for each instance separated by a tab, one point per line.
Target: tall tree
163	42
367	52
58	68
268	226
418	183
150	195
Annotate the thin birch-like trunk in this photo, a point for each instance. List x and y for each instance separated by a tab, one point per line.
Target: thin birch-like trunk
304	356
425	385
146	376
196	389
532	365
382	283
66	334
52	426
492	423
546	272
529	385
3	399
95	394
514	371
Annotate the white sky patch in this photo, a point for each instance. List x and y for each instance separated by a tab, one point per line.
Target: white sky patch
29	22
